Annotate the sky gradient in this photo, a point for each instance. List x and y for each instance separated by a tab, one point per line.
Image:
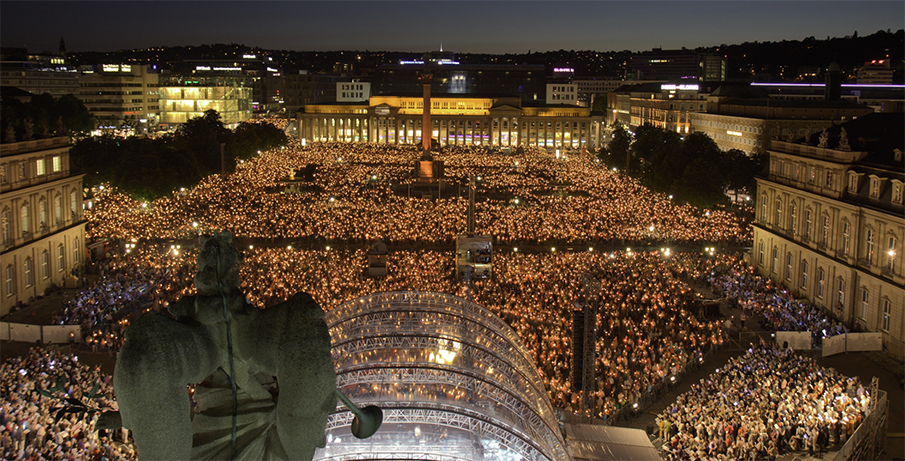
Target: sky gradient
461	26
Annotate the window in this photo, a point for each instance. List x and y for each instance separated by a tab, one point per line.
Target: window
897	193
841	291
763	208
6	229
875	187
760	253
21	170
812	175
829	180
821	282
865	301
853	183
793	218
789	267
10	280
24	218
58	209
891	253
3	178
73	202
29	272
846	237
869	250
825	230
887	307
76	258
807	224
42	214
57	164
804	275
775	266
45	265
39	167
778	218
61	258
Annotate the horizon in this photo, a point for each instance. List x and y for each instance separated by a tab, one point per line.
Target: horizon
538	26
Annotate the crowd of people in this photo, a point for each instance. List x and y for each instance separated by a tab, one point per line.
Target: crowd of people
648	323
356	195
28	426
772	305
763	404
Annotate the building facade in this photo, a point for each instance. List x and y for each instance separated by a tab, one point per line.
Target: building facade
41	223
179	104
664	105
831	223
456	119
115	93
678	65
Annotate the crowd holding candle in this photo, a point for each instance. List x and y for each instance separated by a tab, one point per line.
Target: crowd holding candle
648	325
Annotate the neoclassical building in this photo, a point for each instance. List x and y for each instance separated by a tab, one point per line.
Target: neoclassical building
457	119
41	224
831	222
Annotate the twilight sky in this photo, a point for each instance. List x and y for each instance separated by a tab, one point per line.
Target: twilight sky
462	26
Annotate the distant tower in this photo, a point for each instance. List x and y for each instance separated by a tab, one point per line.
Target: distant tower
62	47
833	87
426	128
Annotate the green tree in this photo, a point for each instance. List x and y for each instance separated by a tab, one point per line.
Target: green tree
617	151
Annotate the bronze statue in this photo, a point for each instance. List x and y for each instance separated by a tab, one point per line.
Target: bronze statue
284	384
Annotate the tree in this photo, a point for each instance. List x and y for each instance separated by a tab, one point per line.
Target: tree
617	151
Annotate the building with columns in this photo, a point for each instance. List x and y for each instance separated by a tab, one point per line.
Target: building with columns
41	223
830	223
457	119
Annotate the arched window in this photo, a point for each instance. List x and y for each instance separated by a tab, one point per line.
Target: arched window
24	218
58	210
808	218
821	282
840	284
891	249
45	264
793	218
789	267
61	258
825	230
760	253
778	218
763	208
5	228
869	244
42	214
29	272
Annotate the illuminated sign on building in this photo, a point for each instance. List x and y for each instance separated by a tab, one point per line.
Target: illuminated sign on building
679	87
733	133
271	69
249	56
227	68
202	67
563	69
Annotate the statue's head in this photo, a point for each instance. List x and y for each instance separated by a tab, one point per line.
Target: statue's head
218	259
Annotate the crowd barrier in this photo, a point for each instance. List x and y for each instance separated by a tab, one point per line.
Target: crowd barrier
47	334
852	342
797	340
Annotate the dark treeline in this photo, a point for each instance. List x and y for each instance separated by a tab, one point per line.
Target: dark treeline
149	168
43	117
692	168
749	61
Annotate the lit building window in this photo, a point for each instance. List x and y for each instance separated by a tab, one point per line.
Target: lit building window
821	282
887	308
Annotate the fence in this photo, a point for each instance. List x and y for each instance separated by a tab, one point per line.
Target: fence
48	334
869	438
852	342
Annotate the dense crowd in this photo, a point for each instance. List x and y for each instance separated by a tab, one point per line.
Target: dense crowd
28	430
763	404
773	306
648	324
360	192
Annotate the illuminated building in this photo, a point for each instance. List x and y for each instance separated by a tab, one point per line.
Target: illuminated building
664	105
876	71
486	120
37	74
118	92
830	223
454	382
179	103
678	65
41	224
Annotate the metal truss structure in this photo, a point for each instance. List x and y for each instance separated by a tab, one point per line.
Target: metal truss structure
453	380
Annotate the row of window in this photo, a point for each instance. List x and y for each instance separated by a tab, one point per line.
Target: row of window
820	289
25	223
56	165
29	267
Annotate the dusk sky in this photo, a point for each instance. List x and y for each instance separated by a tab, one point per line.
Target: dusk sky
461	26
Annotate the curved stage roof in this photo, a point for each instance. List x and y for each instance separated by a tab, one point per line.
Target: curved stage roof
453	380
